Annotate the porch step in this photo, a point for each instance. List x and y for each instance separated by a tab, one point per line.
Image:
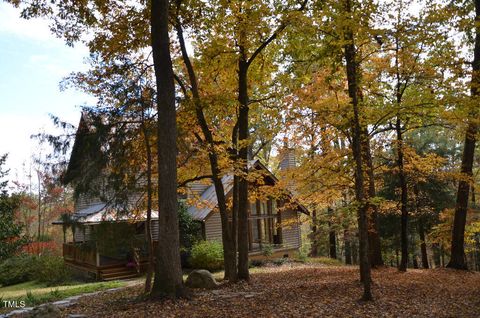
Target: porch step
113	270
119	272
124	276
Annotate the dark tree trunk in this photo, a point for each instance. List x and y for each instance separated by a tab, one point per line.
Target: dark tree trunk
354	246
168	271
457	259
243	272
348	248
314	247
473	200
397	259
243	133
148	221
235	221
332	237
233	157
228	235
357	136
403	197
374	244
415	262
333	244
421	228
39	206
423	244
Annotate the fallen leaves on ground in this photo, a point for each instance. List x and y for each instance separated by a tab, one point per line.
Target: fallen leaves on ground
307	291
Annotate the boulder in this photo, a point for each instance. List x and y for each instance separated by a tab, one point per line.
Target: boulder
201	278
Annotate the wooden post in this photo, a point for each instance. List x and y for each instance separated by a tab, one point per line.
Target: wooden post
259	223
250	232
279	221
97	256
269	221
97	259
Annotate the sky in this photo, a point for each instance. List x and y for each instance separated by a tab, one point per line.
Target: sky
32	64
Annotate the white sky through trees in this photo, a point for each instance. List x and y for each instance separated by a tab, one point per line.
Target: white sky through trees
32	64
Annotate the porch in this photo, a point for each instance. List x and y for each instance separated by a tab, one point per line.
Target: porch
85	257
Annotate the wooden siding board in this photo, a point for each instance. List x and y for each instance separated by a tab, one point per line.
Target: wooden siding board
290	229
213	227
154	228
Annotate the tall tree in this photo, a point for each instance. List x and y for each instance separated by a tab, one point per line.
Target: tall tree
357	137
247	54
10	232
168	272
457	259
228	228
117	29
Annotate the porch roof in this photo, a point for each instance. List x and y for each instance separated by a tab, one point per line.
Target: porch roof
99	212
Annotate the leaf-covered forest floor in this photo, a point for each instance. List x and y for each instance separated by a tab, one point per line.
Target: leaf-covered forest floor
313	290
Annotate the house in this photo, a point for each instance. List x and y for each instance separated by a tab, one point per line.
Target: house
271	221
99	246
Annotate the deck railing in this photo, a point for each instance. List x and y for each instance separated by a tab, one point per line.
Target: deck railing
80	253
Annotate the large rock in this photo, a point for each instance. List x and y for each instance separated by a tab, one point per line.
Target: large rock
201	278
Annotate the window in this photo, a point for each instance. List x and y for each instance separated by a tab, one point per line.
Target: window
264	224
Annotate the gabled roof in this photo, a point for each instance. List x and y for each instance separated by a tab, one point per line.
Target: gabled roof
208	198
85	150
76	155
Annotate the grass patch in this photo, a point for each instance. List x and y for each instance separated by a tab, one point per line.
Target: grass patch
34	293
324	261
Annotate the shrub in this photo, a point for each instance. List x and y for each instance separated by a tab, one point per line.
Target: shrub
325	261
190	230
11	237
47	269
17	269
302	255
267	250
207	255
52	270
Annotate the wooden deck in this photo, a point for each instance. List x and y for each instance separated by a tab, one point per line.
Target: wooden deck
109	272
83	258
